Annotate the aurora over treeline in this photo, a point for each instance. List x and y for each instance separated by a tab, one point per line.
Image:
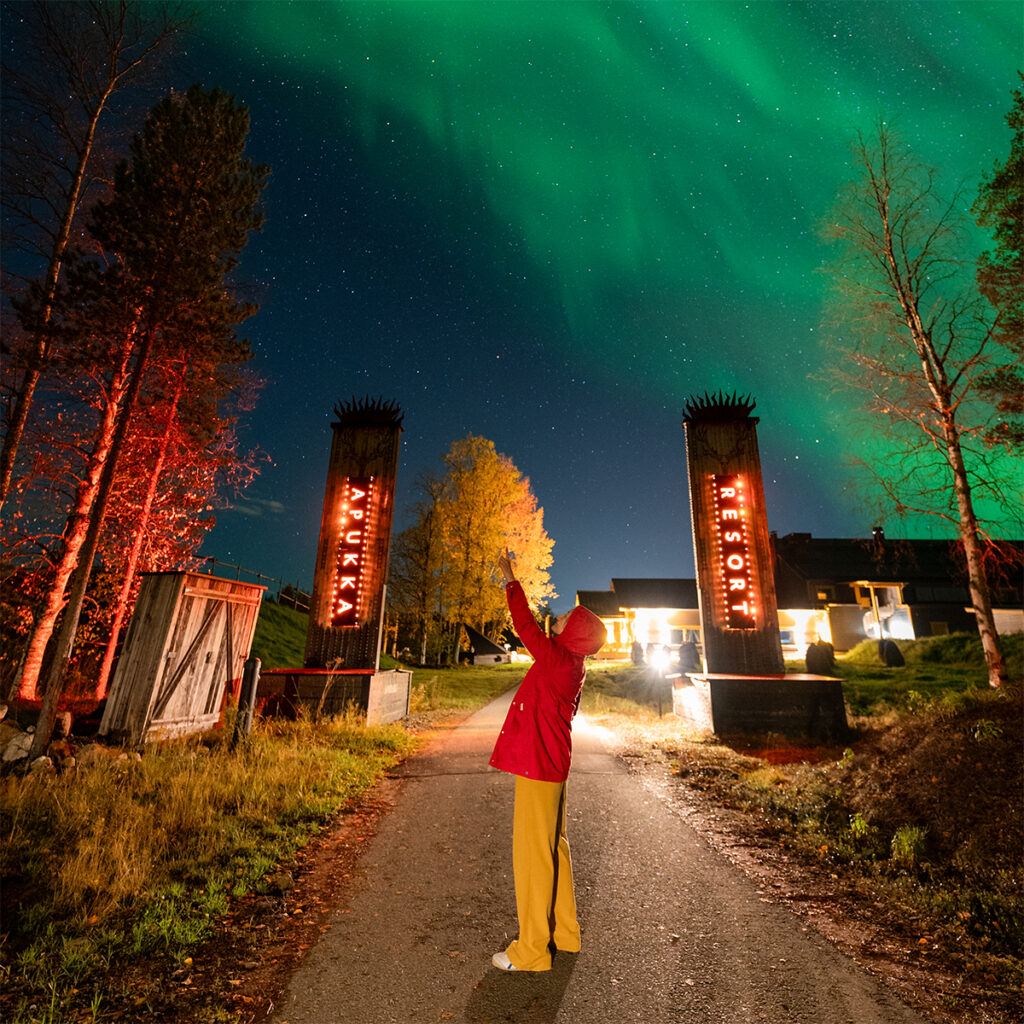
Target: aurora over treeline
548	223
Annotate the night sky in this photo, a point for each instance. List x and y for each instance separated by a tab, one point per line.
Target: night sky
550	223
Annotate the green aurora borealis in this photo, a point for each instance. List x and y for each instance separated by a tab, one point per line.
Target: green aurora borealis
635	186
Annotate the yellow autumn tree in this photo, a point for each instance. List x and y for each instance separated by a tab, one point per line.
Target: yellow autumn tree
444	566
486	506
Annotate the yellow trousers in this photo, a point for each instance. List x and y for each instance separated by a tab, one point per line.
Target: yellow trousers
545	900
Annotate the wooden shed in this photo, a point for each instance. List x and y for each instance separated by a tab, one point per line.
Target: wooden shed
187	643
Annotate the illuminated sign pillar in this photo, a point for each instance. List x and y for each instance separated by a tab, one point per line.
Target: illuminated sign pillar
347	606
732	548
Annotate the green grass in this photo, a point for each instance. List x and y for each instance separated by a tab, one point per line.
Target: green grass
937	669
142	858
280	640
461	689
609	685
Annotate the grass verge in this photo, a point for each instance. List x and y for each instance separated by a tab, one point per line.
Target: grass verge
444	691
138	859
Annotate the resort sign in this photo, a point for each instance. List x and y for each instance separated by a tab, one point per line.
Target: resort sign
739	609
732	548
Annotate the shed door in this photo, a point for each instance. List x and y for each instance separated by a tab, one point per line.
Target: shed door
209	642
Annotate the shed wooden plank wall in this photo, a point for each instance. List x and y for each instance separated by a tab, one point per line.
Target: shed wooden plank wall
188	640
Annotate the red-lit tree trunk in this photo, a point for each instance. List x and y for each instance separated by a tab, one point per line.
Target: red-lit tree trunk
75	533
179	215
138	539
83	569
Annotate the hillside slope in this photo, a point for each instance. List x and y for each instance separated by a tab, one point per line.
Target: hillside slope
280	639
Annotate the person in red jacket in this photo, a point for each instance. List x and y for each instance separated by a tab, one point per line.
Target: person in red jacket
535	745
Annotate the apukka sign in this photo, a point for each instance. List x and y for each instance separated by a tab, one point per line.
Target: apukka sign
734	554
350	570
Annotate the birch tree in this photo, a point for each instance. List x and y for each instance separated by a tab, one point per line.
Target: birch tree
911	334
73	58
445	564
488	506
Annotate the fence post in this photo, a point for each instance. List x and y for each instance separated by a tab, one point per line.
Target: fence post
246	699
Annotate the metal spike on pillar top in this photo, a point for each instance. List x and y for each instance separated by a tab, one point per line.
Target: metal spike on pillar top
347	606
732	547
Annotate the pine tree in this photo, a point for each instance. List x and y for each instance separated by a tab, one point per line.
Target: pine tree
179	216
1000	276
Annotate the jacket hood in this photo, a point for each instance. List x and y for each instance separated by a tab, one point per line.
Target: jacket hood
584	633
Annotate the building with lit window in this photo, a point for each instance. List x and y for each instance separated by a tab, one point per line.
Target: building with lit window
654	613
839	590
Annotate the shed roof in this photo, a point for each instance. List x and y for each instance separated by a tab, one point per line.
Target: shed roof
480	643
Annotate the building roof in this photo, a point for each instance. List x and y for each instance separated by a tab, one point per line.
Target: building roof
803	561
603	603
845	560
655	593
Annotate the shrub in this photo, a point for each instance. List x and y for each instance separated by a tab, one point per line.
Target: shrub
908	846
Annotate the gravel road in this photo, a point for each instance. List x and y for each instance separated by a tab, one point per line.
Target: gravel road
672	932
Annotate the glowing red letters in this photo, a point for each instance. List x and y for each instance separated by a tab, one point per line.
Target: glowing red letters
352	547
734	553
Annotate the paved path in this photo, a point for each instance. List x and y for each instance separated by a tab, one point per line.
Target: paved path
672	932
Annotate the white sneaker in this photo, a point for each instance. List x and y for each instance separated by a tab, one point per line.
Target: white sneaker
502	962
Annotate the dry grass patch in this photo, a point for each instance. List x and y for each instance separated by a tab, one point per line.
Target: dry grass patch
141	856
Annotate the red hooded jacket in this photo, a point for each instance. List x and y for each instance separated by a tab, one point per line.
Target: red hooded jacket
536	739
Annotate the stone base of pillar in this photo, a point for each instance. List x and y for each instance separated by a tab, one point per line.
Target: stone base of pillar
382	696
796	705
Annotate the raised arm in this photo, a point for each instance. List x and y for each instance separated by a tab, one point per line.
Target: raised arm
525	625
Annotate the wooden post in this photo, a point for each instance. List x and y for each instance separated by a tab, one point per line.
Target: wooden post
347	605
731	543
246	700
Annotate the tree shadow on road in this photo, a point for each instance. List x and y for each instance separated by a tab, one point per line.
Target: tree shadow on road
527	998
